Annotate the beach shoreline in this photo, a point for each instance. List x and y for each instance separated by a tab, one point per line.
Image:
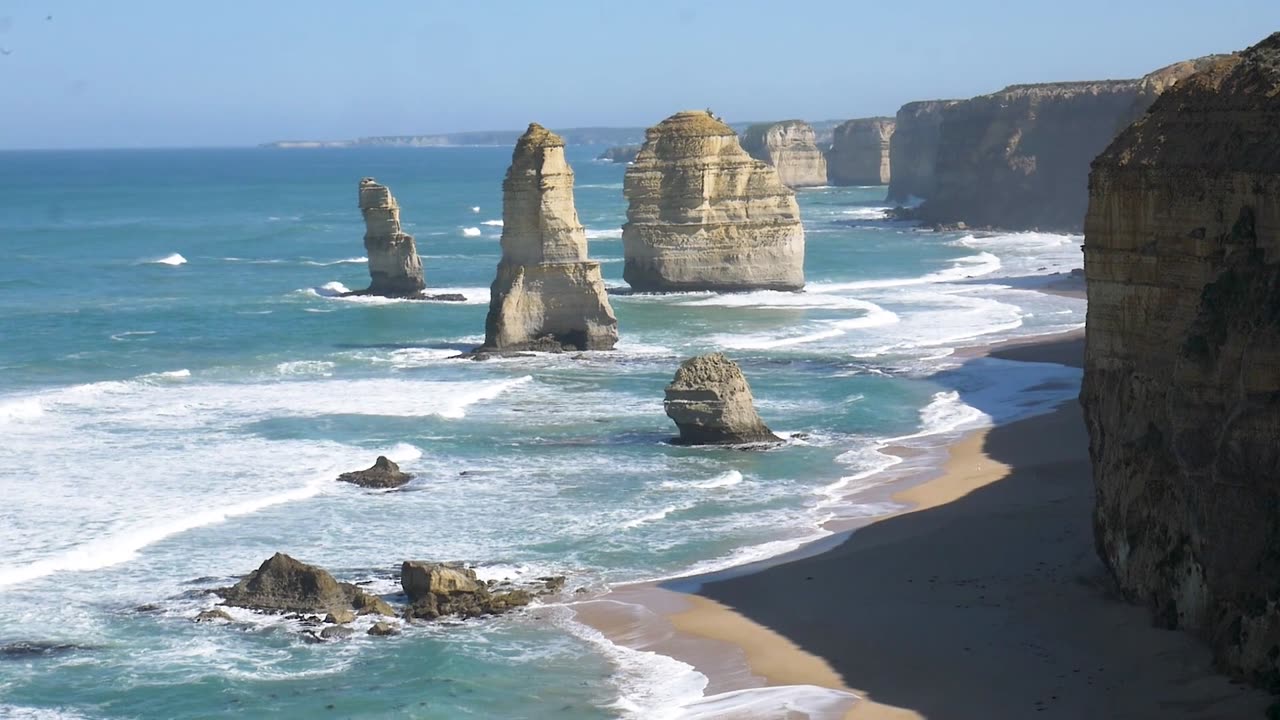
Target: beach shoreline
778	623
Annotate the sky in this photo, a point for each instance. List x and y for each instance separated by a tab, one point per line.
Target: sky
200	73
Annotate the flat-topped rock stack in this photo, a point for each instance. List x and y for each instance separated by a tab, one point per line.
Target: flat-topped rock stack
791	148
704	215
394	266
547	295
859	153
1182	363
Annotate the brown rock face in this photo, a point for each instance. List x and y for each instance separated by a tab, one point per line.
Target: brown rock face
436	590
546	292
791	148
913	149
383	474
283	584
859	152
1019	158
711	404
394	265
1182	376
702	214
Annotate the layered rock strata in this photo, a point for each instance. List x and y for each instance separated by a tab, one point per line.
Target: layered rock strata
1019	158
711	404
791	148
913	149
547	294
384	474
704	215
394	266
859	153
1182	372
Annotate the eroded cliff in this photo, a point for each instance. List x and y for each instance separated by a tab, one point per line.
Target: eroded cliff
1182	376
704	215
913	149
790	147
547	295
859	152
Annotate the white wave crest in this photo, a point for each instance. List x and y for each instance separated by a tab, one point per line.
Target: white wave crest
20	410
984	263
492	223
344	261
471	232
875	316
603	234
172	260
649	517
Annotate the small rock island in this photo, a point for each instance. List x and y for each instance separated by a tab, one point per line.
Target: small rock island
711	404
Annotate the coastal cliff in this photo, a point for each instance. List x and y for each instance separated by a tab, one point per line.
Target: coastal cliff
619	154
1182	378
1019	158
913	149
394	266
791	147
546	295
704	215
859	152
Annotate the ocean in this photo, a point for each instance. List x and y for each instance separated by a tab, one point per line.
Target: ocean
180	385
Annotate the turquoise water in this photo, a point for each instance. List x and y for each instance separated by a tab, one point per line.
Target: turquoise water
179	386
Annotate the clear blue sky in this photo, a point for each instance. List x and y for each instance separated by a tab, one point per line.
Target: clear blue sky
136	73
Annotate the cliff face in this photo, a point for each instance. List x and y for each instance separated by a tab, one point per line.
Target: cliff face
705	215
394	265
546	295
790	147
1182	376
859	152
1019	158
913	149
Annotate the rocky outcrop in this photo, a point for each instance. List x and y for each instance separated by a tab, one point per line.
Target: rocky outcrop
283	584
791	148
394	265
859	153
384	474
711	404
436	590
546	292
1182	372
619	154
704	215
1019	158
913	150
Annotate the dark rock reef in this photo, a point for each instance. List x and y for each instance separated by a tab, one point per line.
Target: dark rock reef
711	404
913	149
384	474
1019	158
438	589
1182	376
859	153
282	584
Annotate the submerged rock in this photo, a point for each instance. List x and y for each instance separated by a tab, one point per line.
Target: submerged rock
336	632
1182	364
383	474
212	615
859	152
790	147
283	584
547	294
704	215
436	590
383	629
711	404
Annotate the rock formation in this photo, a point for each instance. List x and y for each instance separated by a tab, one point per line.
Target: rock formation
913	150
394	265
711	404
546	292
859	152
436	590
619	153
1182	371
383	474
283	584
790	147
1019	158
705	215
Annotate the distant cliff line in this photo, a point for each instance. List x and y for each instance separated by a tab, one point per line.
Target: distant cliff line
507	138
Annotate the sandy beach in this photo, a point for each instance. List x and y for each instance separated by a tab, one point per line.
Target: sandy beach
984	600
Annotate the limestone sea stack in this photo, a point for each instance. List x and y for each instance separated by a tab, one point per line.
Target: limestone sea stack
704	215
711	404
546	295
394	265
859	152
1019	158
791	148
913	150
1182	368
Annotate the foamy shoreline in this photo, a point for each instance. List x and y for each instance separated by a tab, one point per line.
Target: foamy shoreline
751	670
